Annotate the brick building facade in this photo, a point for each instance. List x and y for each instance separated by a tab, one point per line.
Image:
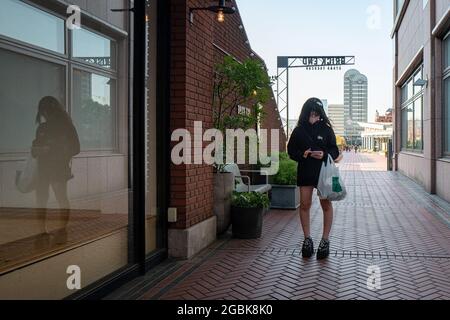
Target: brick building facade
195	49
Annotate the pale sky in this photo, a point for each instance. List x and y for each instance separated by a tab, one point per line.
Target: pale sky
325	27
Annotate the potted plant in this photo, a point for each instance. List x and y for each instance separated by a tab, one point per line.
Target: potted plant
285	192
223	189
236	85
247	214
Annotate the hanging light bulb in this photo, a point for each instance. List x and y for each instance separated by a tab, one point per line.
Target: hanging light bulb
220	16
221	10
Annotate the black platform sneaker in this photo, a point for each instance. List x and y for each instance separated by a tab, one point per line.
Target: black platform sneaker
324	249
308	248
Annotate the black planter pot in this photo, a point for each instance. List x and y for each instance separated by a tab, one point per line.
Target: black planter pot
247	222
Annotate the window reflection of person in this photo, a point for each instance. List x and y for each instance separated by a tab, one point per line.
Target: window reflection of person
55	145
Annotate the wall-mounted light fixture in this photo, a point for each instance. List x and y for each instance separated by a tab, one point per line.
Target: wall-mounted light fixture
421	83
220	10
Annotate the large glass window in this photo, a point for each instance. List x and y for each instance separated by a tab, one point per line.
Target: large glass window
24	81
412	113
447	115
447	52
446	95
418	121
26	23
415	89
93	48
64	178
404	125
93	110
410	142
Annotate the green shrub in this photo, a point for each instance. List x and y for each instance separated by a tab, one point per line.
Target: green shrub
284	156
287	172
250	200
280	155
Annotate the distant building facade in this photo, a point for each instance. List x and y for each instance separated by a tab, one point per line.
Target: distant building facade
325	105
336	115
421	38
355	104
376	136
292	125
387	118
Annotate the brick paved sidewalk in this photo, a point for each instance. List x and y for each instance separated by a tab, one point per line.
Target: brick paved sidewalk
387	220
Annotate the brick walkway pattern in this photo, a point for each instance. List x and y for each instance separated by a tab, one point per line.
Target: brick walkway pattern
386	221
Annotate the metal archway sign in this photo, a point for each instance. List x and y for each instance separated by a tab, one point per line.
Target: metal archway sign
285	63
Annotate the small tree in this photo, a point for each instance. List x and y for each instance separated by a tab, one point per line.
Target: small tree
239	84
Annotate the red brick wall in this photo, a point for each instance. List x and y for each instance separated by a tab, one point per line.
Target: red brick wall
194	53
191	100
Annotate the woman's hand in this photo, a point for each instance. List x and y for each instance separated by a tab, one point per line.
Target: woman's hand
307	153
317	155
339	159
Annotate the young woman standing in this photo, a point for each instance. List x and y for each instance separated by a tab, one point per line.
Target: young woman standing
310	144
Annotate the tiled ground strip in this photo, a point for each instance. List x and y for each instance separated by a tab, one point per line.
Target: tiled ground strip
387	221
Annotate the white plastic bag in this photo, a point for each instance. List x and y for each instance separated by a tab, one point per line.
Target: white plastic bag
26	179
330	186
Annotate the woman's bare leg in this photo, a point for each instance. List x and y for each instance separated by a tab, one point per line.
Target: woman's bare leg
305	208
327	208
60	190
42	195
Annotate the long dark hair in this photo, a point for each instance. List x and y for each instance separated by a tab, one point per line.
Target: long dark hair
54	112
58	118
313	105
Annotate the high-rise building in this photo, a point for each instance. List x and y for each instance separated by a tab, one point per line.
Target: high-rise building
355	104
336	115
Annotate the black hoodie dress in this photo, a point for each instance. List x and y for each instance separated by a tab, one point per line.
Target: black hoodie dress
317	137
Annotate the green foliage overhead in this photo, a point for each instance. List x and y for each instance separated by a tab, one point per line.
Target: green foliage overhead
250	200
287	173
